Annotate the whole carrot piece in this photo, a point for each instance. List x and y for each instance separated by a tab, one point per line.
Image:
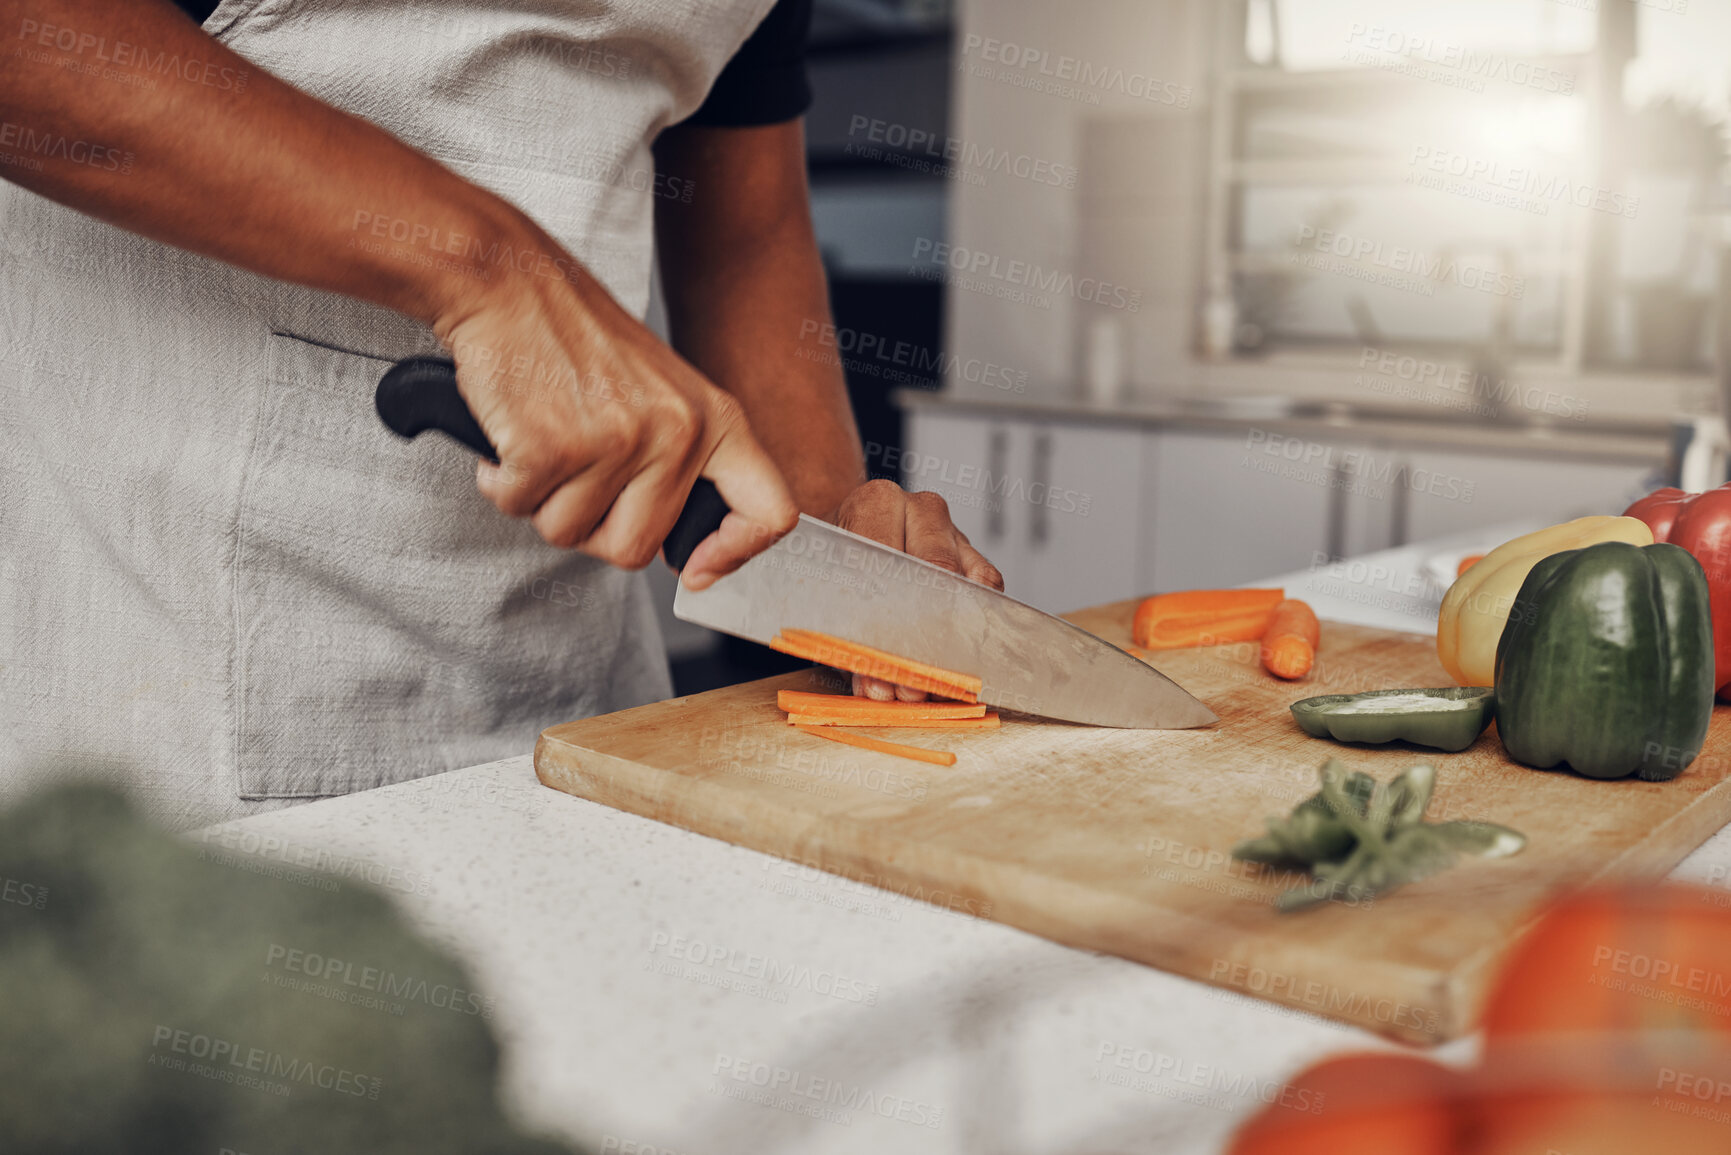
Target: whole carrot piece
1203	618
1289	646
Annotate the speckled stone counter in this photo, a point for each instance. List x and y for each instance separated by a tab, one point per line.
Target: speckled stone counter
648	982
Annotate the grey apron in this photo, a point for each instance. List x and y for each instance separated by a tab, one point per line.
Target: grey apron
222	583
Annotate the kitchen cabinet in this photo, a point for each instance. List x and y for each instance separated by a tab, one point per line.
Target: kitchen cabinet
1498	490
1224	510
950	455
1258	501
1077	510
1080	513
1057	507
1083	516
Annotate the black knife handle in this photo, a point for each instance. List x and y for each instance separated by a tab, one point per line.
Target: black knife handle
702	516
420	393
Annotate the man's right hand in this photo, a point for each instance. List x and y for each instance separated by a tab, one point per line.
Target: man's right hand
295	178
601	428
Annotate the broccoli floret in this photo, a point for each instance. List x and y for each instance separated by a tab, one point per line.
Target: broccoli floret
150	1002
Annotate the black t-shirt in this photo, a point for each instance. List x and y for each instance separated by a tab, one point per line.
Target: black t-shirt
764	83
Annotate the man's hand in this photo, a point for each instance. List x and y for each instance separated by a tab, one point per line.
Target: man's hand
919	524
601	429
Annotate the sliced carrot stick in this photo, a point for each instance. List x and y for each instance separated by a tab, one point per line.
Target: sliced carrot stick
858	659
1203	618
986	722
917	753
801	702
861	718
937	673
958	712
1467	562
1289	646
855	662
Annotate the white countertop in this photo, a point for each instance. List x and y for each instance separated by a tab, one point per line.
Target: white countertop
637	967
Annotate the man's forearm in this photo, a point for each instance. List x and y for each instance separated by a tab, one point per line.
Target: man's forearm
747	302
255	173
270	179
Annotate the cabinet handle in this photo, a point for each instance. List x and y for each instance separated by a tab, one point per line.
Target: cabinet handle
1039	528
997	450
1337	483
1397	518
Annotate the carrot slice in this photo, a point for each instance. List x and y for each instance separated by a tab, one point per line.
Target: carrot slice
1468	562
944	710
801	702
867	718
858	659
936	673
917	753
1289	646
985	722
1203	618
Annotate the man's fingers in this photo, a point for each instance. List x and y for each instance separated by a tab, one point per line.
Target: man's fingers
517	487
641	518
568	517
878	510
877	689
930	534
762	508
975	567
881	691
517	491
918	524
735	543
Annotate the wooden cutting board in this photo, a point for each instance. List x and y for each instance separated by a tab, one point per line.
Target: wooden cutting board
1118	840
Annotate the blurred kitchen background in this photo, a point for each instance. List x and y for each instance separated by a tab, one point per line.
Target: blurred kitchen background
1164	294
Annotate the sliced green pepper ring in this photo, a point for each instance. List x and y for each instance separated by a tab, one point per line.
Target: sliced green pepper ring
1445	718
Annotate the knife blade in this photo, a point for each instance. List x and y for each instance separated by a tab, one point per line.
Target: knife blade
824	578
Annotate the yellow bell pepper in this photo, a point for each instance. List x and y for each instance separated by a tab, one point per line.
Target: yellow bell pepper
1476	607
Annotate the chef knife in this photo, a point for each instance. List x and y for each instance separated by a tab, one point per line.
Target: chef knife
824	578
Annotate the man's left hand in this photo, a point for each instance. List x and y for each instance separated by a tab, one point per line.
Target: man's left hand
918	524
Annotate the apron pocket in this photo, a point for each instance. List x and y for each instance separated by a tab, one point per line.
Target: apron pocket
345	607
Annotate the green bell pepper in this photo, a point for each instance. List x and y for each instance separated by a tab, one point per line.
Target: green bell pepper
1607	662
1446	718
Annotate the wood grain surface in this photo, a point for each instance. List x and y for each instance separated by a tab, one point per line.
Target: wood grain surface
1118	840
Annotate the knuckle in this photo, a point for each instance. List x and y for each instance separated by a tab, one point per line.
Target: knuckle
564	537
631	550
629	555
725	409
681	425
512	478
880	491
564	533
511	499
928	502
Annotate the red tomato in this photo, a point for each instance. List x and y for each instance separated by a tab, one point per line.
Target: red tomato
1701	524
